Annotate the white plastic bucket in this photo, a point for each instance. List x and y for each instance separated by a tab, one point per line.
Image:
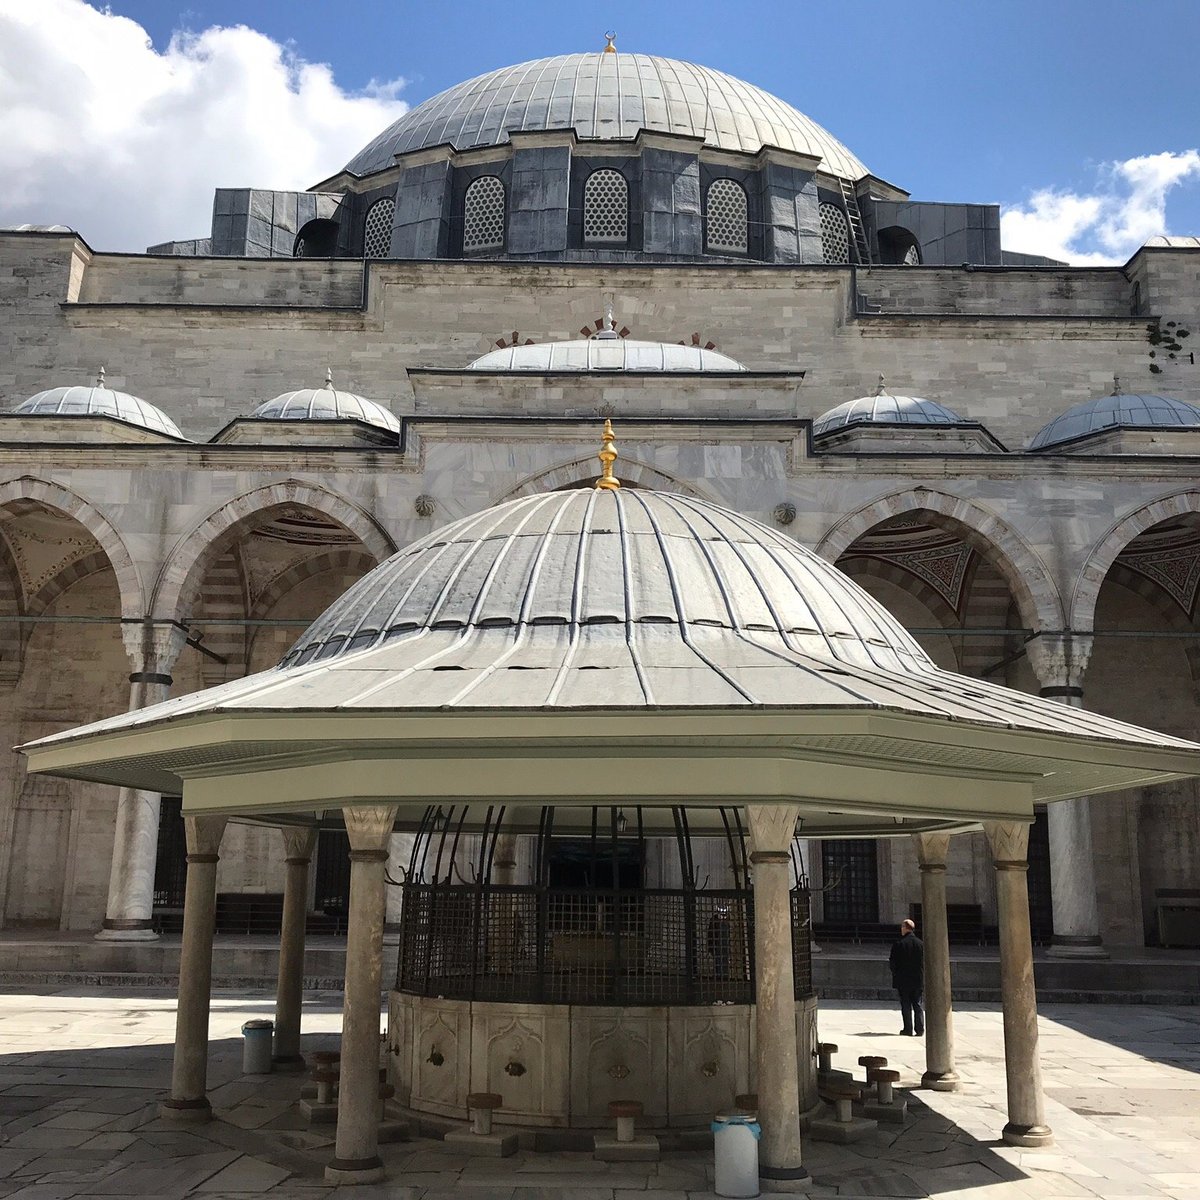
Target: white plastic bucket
735	1150
256	1047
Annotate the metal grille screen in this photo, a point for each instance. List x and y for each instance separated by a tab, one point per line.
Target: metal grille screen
377	232
606	207
835	234
912	257
483	215
727	217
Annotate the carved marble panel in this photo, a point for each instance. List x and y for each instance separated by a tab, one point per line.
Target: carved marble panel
709	1063
806	1052
400	1044
522	1052
441	1056
618	1054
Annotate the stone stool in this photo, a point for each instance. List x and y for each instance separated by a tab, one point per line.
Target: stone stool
887	1106
626	1146
479	1140
844	1126
826	1073
390	1128
746	1102
323	1060
872	1062
322	1108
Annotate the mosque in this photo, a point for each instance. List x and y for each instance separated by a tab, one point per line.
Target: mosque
206	445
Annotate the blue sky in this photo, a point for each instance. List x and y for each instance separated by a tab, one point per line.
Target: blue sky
994	102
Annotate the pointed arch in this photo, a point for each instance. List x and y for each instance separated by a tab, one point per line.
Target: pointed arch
184	569
582	471
1023	570
53	496
1120	534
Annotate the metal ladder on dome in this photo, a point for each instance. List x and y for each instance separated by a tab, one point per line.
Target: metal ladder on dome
858	231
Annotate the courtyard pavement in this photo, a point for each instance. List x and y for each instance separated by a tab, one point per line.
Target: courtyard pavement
81	1072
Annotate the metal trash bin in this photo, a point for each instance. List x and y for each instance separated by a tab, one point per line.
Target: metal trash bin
258	1037
735	1150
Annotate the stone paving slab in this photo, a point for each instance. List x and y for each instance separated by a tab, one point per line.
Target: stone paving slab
81	1073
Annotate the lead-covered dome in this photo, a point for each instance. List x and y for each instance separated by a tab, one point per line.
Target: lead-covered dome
98	401
624	580
605	354
326	404
885	409
1118	411
608	96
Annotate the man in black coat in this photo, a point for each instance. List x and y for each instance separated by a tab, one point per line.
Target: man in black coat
907	961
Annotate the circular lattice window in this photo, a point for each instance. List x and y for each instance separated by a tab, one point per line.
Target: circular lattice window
483	215
835	234
727	217
377	231
606	207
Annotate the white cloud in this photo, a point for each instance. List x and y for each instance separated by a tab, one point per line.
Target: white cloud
101	132
1106	226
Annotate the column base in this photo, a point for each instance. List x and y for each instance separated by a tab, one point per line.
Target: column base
941	1081
1027	1135
188	1111
125	930
288	1062
355	1170
1076	947
783	1179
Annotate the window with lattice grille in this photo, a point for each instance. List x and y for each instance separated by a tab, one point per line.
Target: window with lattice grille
912	257
727	217
835	234
483	215
606	207
377	231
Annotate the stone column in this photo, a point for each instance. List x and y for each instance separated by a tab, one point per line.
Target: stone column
152	650
189	1073
939	1075
299	842
1009	841
1060	661
356	1151
772	828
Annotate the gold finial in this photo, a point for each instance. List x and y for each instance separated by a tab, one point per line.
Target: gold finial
607	456
881	387
100	378
610	38
1116	385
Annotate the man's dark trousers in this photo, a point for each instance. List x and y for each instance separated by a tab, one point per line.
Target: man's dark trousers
911	1010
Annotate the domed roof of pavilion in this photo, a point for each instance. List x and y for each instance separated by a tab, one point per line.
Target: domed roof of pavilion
605	353
98	401
607	96
1120	410
326	404
883	408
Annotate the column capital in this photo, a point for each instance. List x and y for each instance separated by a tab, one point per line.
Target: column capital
204	836
299	842
1060	661
932	849
772	826
369	826
153	649
1009	842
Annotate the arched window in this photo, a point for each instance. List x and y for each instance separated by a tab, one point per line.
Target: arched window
898	247
377	229
317	239
606	207
835	234
483	215
727	217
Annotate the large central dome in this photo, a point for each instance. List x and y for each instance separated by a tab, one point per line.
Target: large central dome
608	96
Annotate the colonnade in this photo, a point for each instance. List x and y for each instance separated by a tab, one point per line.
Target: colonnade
356	1153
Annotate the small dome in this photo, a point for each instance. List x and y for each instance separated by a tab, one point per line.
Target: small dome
27	228
1118	411
98	401
678	573
602	353
326	404
885	409
613	97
